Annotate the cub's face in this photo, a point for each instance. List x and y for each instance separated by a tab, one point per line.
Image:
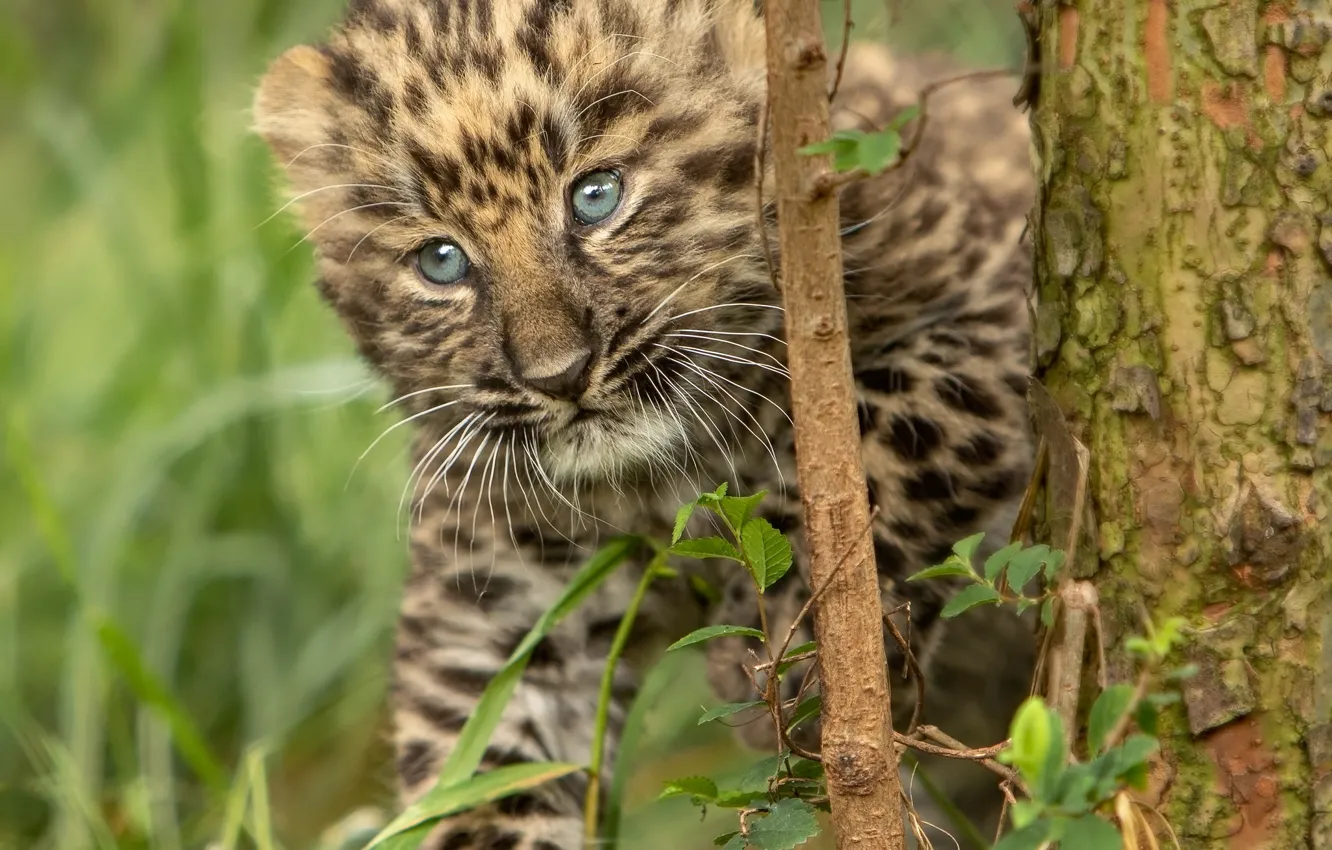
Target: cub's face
519	205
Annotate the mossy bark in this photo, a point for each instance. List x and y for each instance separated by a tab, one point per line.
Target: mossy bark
1184	265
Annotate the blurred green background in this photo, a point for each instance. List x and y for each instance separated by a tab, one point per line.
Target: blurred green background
196	589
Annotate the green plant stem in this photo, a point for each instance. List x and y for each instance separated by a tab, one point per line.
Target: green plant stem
655	568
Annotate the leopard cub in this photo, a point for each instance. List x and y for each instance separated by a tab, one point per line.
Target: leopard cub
536	219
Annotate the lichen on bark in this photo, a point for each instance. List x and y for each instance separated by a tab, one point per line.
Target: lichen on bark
1184	327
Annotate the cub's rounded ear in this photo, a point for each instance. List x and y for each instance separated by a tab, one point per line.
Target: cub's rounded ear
292	108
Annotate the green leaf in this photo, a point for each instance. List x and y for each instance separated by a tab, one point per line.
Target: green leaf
968	598
705	547
710	499
681	520
788	824
1025	565
1179	674
807	709
879	150
787	664
1053	563
767	550
1056	758
726	710
734	841
440	802
906	116
966	548
1029	740
1113	703
1024	812
995	564
736	509
759	774
699	787
1029	837
1091	833
1047	613
1074	793
724	840
710	632
951	567
1147	717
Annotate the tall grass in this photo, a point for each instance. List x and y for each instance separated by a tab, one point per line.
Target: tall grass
196	594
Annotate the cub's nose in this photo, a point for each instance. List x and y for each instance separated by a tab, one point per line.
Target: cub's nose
560	376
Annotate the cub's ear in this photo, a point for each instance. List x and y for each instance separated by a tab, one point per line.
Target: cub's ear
293	108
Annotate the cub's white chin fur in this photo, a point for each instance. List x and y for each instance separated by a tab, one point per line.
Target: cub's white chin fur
600	449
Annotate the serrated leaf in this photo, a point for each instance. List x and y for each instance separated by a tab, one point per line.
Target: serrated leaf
1091	833
995	564
807	709
724	840
711	632
705	547
1113	703
700	787
681	520
1029	837
1025	565
968	598
756	778
951	567
767	550
480	789
712	498
736	841
736	509
727	710
966	547
788	824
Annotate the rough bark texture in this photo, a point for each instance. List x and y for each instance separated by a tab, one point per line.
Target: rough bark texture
857	736
1185	329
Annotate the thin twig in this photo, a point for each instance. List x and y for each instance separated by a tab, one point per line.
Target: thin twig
831	181
912	666
950	747
847	24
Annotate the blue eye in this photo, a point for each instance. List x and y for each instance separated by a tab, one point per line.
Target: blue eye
595	196
442	263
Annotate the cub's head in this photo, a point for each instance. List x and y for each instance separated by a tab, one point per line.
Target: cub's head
516	203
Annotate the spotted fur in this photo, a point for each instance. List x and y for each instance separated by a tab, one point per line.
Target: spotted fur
470	119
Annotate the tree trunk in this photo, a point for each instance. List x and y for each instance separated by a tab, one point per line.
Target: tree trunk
1185	330
856	742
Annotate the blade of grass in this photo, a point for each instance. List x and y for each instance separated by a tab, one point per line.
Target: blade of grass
472	741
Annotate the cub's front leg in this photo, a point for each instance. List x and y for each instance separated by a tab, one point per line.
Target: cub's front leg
461	618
